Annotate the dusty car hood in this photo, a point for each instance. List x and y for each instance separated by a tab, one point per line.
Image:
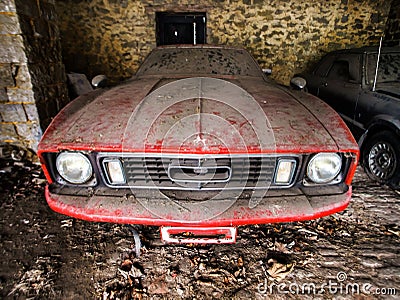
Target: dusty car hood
197	119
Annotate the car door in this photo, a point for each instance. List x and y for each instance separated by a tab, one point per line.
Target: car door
372	103
319	73
341	86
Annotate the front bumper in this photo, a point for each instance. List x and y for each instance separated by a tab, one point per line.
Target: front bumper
129	209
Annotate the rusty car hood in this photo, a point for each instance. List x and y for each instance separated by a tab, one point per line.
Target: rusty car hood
199	115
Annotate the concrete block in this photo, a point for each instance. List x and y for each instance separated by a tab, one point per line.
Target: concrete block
3	94
12	49
20	95
31	112
6	78
22	76
8	131
12	113
7	6
9	24
29	131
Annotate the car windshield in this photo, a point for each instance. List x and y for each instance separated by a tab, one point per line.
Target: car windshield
388	70
200	61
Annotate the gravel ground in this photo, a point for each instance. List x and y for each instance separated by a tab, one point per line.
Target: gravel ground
45	255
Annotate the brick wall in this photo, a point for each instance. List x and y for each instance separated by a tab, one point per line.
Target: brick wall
32	76
113	36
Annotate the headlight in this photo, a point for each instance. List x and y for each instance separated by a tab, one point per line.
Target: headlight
324	167
74	167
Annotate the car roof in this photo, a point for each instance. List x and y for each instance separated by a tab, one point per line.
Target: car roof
368	49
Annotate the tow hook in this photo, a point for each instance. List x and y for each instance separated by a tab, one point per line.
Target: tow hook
136	237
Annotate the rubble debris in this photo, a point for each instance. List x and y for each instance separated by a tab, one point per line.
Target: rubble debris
39	279
16	153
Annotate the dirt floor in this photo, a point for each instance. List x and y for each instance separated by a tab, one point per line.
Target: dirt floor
45	255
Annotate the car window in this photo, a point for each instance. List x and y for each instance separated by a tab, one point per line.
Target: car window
322	68
346	67
200	61
339	70
389	67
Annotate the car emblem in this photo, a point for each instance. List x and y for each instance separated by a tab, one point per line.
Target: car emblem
198	171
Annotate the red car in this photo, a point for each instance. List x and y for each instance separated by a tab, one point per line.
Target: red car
199	142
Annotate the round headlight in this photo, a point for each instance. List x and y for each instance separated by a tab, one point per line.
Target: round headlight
74	167
324	167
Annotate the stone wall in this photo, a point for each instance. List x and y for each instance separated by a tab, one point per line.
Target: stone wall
32	76
113	36
392	34
18	114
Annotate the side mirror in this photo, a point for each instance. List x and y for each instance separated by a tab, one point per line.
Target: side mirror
78	84
99	81
298	83
267	71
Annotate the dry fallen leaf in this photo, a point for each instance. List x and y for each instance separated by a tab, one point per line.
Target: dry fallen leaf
126	265
279	271
240	262
281	247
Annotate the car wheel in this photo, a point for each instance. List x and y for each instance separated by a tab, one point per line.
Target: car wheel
381	158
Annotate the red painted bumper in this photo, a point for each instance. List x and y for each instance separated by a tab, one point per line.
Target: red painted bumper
129	210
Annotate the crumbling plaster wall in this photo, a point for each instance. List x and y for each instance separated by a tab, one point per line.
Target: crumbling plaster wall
113	36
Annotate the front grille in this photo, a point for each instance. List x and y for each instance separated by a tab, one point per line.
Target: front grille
196	172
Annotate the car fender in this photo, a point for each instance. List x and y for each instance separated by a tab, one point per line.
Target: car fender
379	121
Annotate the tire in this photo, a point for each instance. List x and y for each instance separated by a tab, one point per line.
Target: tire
381	158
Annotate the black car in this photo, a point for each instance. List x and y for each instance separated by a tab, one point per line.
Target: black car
363	85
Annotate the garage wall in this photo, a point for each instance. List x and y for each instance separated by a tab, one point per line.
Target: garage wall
32	76
113	36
